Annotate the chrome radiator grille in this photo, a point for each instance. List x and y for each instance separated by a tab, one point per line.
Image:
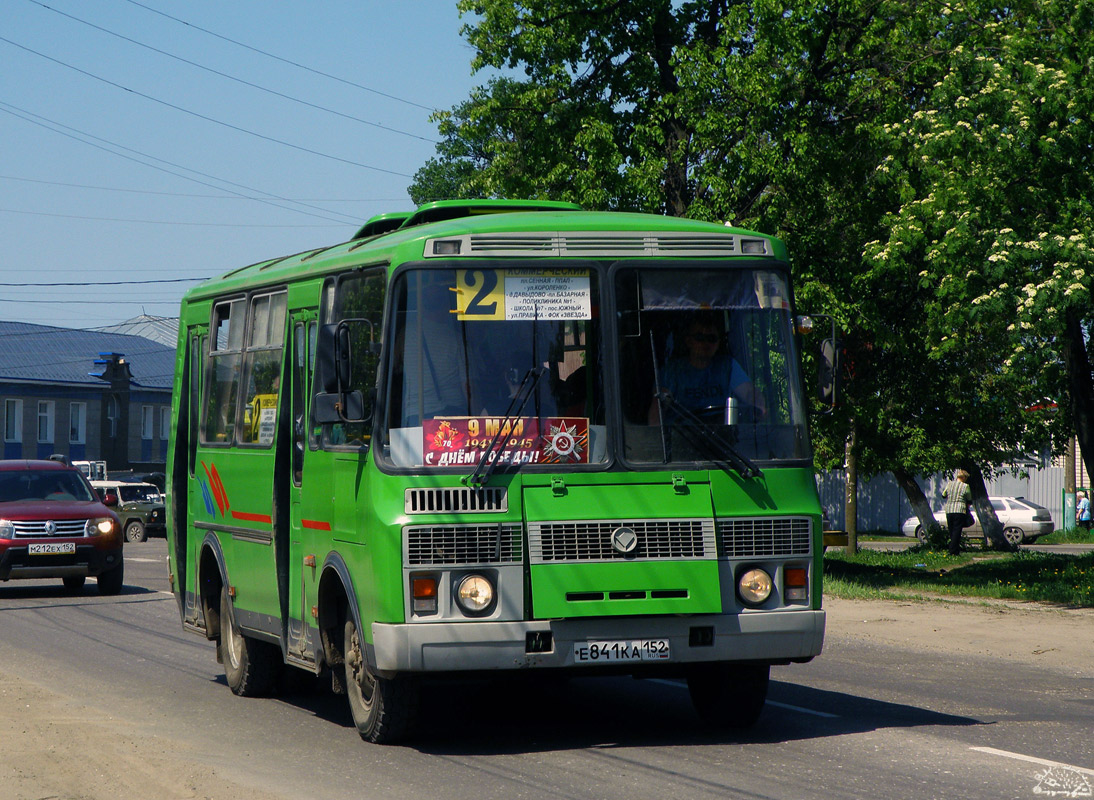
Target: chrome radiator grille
582	541
746	538
449	500
60	527
446	545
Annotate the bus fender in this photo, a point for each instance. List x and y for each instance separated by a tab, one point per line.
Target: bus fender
335	574
212	576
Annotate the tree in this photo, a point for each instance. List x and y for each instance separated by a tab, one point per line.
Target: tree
994	173
872	136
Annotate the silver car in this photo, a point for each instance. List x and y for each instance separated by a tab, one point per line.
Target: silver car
1022	520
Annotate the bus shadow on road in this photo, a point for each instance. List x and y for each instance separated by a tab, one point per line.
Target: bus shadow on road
514	716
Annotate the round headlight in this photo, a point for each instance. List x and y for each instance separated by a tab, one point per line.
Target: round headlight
7	530
475	594
754	586
98	527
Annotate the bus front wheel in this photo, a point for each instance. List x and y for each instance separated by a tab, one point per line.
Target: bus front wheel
383	709
729	695
250	666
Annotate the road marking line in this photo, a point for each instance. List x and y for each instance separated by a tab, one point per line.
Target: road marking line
1042	761
143	560
825	714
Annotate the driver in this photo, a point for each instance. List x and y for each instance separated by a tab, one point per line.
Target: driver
704	376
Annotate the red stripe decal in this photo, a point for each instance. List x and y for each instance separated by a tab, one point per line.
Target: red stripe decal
245	517
315	525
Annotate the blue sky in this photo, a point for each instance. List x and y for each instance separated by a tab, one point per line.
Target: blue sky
120	163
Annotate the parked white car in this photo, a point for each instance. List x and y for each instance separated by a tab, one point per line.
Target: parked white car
1022	520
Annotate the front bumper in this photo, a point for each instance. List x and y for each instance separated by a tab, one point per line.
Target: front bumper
763	636
88	560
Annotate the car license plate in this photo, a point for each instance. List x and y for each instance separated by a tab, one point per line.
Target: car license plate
616	651
51	548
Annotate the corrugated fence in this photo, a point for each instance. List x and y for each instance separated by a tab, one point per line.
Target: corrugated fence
882	504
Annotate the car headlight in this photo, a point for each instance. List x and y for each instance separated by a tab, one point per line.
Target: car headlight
754	586
7	530
98	527
475	594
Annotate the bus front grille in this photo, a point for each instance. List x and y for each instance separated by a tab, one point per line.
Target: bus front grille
457	499
765	536
448	545
657	539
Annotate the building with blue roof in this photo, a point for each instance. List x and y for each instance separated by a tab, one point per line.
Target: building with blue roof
87	395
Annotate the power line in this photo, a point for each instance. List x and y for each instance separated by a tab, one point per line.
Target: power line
164	222
206	196
233	78
279	58
215	121
110	283
27	116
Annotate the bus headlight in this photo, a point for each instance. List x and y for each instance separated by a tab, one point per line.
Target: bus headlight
754	586
475	594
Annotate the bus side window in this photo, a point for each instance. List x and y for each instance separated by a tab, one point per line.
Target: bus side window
262	369
222	376
358	300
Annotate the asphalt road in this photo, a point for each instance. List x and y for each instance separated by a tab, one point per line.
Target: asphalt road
862	720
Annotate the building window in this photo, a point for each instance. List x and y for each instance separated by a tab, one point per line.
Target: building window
165	422
147	418
77	423
13	420
112	416
45	421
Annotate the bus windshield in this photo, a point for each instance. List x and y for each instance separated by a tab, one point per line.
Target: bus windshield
464	342
708	365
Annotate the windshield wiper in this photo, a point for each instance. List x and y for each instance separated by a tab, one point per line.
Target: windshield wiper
487	465
708	439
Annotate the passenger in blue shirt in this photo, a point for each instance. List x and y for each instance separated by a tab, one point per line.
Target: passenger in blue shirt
705	377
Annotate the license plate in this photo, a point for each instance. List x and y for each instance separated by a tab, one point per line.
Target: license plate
51	548
616	651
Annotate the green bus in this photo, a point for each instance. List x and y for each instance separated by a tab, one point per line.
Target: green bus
498	436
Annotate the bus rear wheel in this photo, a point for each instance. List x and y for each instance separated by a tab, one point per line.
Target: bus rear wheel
383	709
251	667
729	695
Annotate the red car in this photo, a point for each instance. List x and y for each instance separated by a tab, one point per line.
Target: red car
53	525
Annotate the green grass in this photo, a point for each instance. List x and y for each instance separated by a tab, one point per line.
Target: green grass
1073	536
1042	577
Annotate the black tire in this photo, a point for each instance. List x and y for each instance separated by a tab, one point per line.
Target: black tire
134	531
251	667
111	581
74	583
1014	536
383	709
920	534
729	695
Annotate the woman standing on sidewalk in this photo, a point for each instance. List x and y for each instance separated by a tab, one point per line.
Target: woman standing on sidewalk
958	496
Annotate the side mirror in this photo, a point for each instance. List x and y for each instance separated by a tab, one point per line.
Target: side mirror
828	372
110	500
339	407
332	357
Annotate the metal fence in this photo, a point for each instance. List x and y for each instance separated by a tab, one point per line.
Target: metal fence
882	504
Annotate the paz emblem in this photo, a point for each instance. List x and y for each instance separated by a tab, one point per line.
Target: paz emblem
624	540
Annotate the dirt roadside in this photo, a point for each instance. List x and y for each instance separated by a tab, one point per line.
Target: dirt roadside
56	746
1028	633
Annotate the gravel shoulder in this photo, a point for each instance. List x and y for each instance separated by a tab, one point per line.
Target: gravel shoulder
1029	633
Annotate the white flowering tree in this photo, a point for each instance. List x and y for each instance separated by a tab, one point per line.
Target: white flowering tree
996	178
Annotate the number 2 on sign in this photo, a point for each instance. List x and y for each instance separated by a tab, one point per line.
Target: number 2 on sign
480	294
